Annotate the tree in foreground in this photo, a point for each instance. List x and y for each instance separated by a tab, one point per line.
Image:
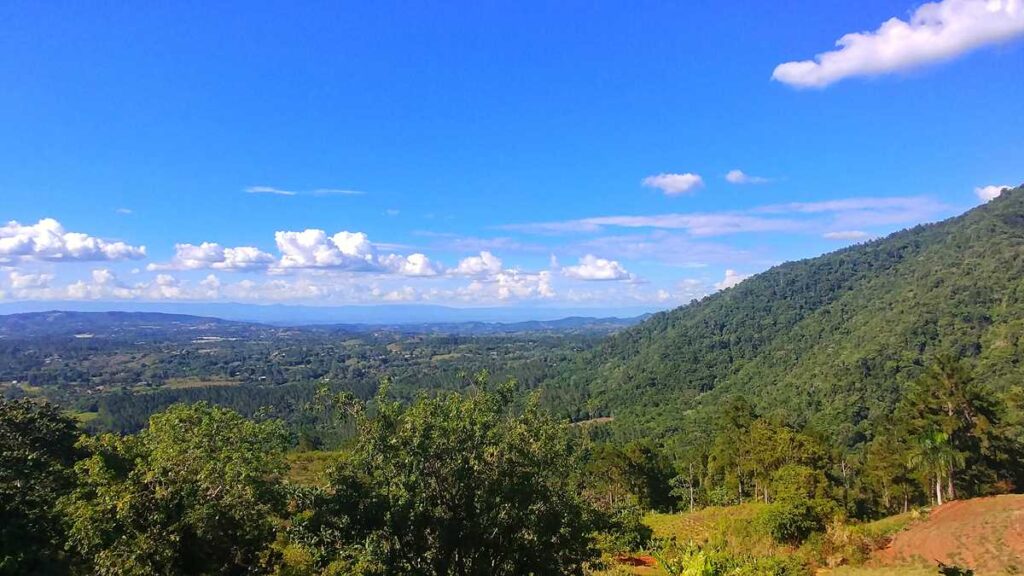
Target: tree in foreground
194	493
459	484
37	451
957	437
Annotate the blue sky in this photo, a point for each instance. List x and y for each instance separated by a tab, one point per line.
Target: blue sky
563	140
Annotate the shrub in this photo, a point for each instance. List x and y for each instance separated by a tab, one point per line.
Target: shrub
792	521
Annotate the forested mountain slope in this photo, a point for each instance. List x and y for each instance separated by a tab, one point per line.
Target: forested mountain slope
827	342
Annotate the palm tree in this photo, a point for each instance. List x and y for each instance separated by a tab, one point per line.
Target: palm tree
934	455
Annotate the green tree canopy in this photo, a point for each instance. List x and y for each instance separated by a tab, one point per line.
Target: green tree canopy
37	450
458	484
194	493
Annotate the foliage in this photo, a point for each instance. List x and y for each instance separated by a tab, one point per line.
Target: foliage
454	485
828	343
194	493
791	521
694	560
37	450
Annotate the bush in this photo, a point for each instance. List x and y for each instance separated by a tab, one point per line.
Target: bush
792	521
626	531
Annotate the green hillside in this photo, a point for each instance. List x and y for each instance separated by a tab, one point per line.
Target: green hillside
826	343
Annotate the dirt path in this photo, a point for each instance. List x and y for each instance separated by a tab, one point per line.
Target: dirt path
985	534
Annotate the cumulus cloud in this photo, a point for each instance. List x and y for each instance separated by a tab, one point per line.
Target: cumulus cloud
731	279
935	31
509	285
846	235
214	256
411	265
28	280
485	263
674	184
987	193
47	240
591	267
741	177
313	248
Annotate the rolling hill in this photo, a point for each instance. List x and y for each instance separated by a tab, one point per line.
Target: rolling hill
827	342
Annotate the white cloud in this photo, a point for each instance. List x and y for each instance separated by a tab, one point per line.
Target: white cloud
312	248
215	256
23	281
987	193
674	184
697	224
411	265
741	177
485	263
269	190
509	285
591	267
846	235
47	240
936	31
793	217
316	192
731	279
124	211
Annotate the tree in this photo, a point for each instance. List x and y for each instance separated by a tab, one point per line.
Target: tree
37	451
725	460
454	485
955	424
194	493
934	455
888	473
637	471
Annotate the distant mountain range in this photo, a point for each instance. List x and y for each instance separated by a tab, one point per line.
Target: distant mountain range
156	325
294	315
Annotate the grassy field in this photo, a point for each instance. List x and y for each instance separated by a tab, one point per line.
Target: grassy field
735	529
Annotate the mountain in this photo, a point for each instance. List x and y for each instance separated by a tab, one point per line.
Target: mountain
146	325
152	325
294	315
828	342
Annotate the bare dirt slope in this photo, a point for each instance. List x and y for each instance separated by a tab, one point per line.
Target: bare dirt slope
984	534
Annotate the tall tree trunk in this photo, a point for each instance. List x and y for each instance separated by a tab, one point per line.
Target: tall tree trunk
950	490
938	489
691	486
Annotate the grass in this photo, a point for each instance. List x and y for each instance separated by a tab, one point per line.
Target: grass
85	417
307	468
735	529
732	528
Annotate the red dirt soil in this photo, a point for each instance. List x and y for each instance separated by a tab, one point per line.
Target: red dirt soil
984	534
637	561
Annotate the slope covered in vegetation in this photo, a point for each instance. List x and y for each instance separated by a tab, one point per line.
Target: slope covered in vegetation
827	343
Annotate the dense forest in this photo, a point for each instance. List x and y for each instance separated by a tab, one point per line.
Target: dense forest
829	343
878	380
